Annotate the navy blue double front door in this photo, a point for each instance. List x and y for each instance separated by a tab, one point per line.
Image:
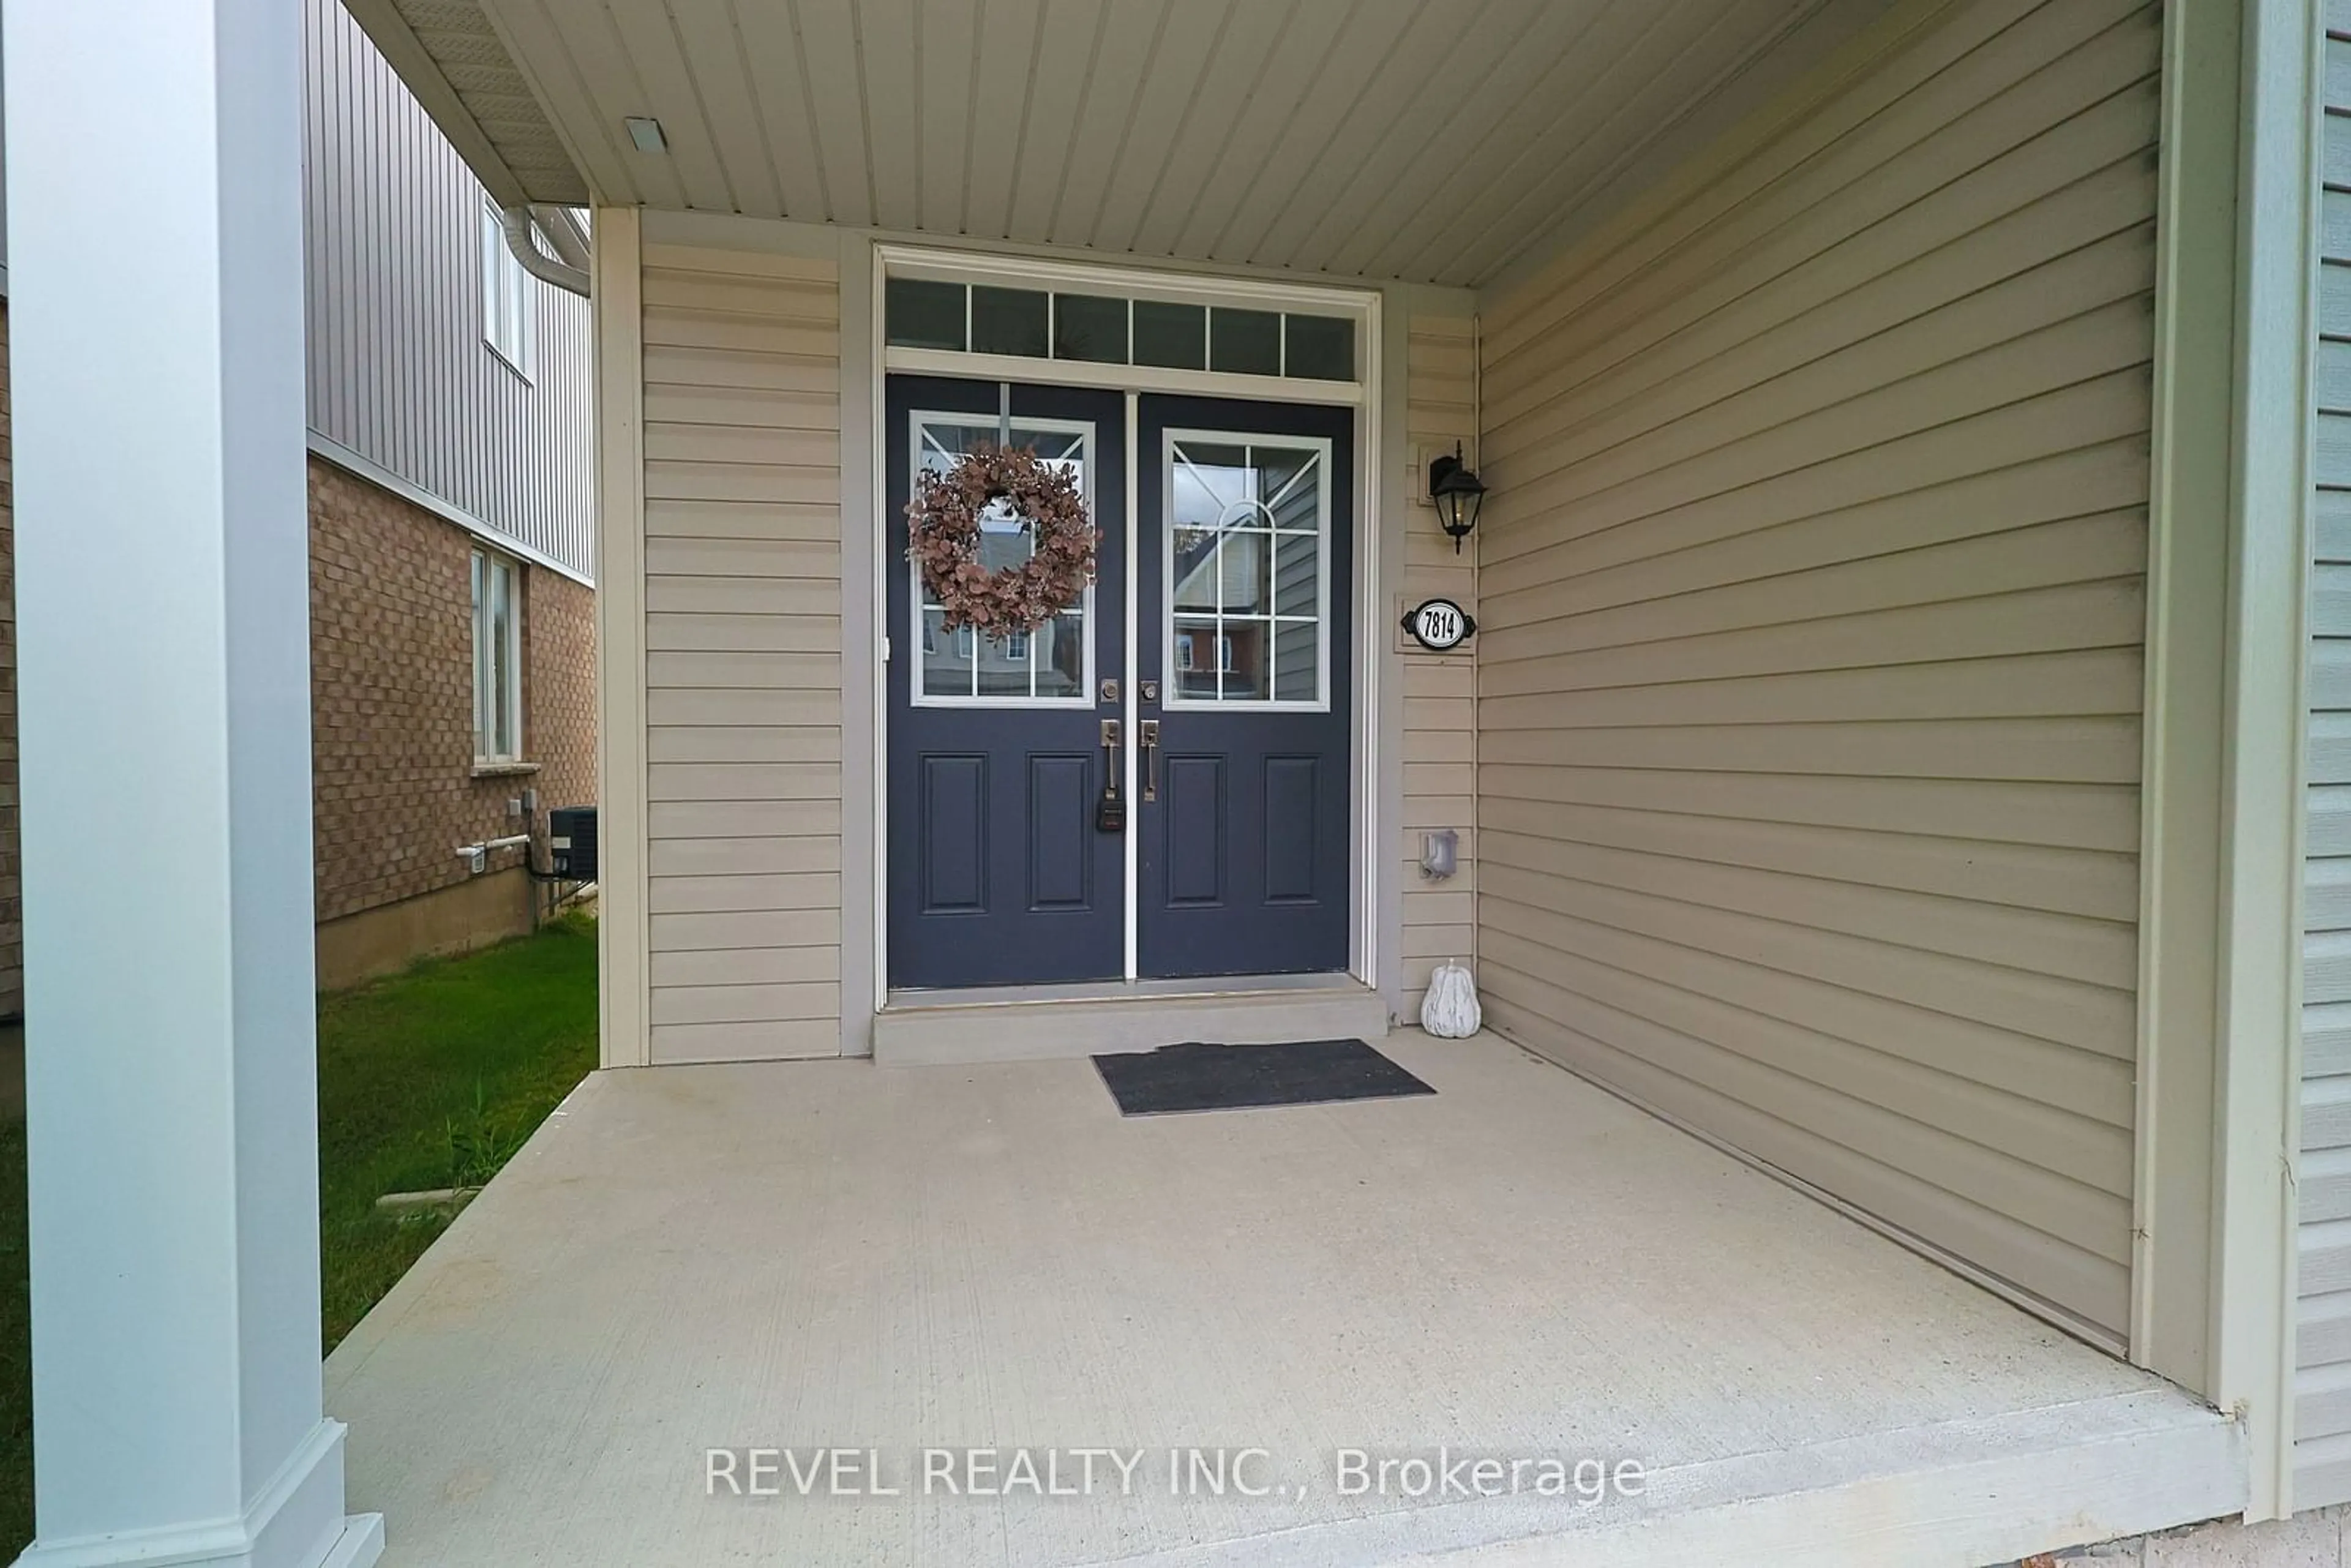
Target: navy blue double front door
1155	782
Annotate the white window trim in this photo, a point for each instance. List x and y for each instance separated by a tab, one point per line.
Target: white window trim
1378	404
484	563
1176	697
507	284
966	643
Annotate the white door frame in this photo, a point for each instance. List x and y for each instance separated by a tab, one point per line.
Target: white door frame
1365	824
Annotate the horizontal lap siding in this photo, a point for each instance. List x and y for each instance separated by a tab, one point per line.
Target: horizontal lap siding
1810	681
2323	1383
1439	690
743	654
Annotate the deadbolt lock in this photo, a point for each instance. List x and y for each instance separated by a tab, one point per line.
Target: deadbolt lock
1109	691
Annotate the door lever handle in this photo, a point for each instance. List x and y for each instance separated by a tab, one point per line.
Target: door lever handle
1110	811
1146	735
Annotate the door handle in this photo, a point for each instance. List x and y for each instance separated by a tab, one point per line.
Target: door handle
1110	811
1148	736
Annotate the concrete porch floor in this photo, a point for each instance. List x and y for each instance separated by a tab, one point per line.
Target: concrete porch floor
1522	1266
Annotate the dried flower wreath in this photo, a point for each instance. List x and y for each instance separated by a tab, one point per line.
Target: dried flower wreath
943	526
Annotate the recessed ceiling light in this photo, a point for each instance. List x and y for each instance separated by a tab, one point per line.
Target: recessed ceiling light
646	134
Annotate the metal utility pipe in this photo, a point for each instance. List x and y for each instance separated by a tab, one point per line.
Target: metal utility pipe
560	227
567	273
516	841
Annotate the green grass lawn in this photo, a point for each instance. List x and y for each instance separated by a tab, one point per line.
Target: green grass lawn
429	1079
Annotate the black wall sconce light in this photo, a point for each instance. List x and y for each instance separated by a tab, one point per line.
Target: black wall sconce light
1457	494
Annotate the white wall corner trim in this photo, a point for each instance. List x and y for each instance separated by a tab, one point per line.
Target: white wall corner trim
1388	491
2172	1305
2257	1117
622	928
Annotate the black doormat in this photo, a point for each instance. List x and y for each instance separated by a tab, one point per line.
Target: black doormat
1195	1077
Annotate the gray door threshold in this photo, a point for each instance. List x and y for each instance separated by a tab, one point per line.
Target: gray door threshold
1117	991
1026	1023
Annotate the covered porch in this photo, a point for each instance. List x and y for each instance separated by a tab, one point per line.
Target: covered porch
1519	1268
1877	762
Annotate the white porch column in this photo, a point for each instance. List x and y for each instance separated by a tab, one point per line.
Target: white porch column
154	219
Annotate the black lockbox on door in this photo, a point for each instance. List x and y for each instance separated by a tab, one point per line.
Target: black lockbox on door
571	843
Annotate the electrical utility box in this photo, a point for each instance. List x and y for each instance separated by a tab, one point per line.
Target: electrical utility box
571	843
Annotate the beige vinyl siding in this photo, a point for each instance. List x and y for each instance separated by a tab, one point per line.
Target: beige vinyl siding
2323	1345
1439	690
743	654
1810	675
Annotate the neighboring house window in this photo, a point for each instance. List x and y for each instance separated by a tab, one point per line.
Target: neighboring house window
506	296
497	658
1183	652
1016	647
1225	653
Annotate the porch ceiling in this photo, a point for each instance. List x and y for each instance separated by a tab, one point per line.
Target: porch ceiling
459	69
1376	137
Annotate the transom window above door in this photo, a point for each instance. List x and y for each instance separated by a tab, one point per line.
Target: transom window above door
1052	666
1247	569
1105	328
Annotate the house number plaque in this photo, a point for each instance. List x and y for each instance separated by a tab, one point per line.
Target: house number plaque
1439	625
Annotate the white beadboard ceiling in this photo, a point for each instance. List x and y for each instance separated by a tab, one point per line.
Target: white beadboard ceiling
1435	140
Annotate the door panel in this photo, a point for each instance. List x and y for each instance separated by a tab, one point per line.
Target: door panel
998	875
1193	801
954	834
1061	832
1245	551
1293	801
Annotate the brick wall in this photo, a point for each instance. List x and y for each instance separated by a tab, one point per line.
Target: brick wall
392	697
559	686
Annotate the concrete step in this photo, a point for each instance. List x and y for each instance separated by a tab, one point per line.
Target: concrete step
1024	1027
